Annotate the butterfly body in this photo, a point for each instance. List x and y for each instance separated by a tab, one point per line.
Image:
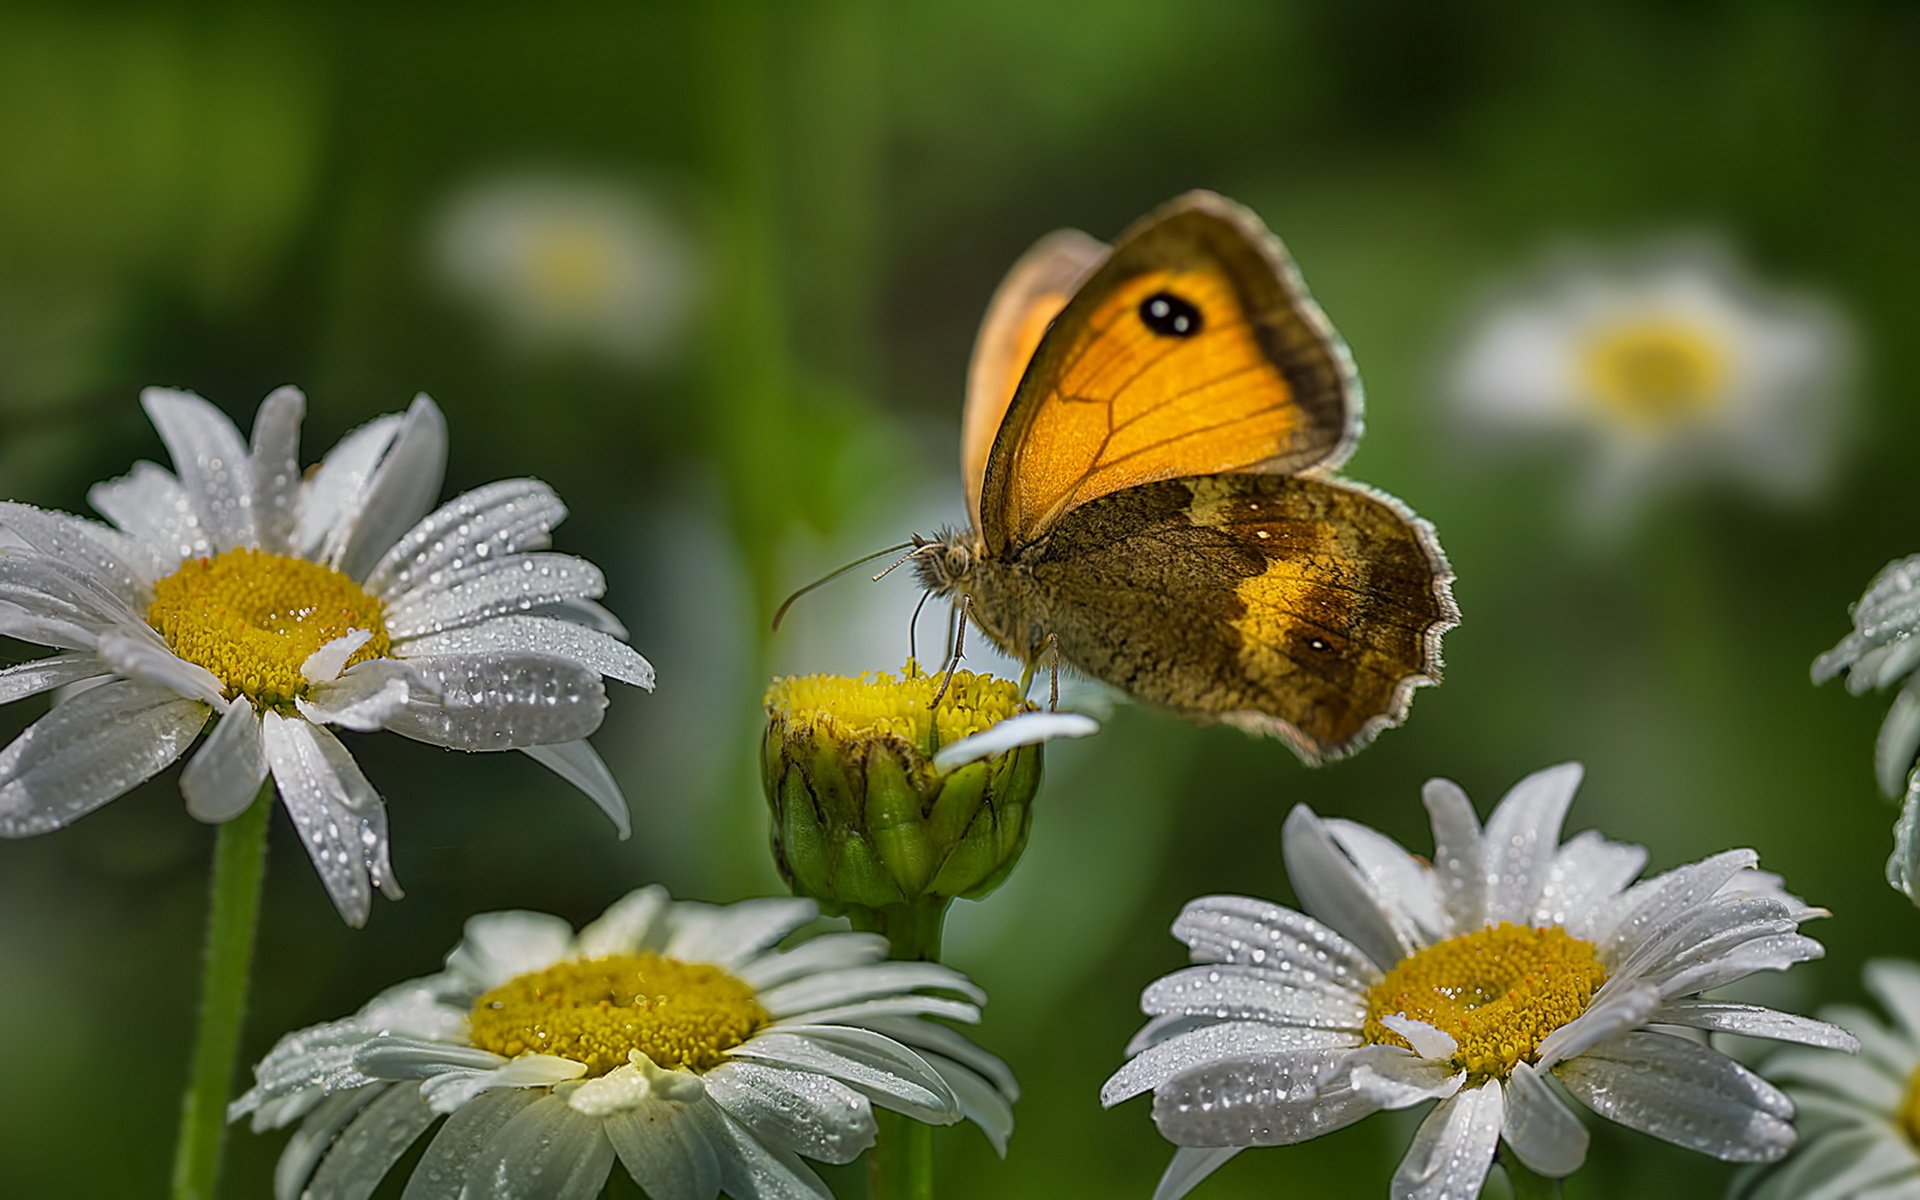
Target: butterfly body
1150	431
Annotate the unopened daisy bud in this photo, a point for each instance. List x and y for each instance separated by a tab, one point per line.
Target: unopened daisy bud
881	799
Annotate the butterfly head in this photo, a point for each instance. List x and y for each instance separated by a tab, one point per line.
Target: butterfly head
945	563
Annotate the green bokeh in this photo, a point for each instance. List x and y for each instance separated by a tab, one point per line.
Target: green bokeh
230	199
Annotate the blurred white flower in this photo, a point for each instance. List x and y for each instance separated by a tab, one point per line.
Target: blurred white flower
672	1037
284	603
1670	364
1883	650
559	262
1470	980
1859	1118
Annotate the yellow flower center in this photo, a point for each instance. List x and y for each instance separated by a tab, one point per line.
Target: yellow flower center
569	267
683	1016
1656	375
1497	991
878	704
1909	1114
253	618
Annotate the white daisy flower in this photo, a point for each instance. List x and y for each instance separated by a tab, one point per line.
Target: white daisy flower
1669	364
1859	1118
569	262
671	1036
282	604
1882	651
1509	960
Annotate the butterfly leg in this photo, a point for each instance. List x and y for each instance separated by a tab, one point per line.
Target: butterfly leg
1052	649
964	610
913	631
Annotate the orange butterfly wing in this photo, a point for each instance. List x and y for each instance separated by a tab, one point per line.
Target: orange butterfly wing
1025	303
1194	349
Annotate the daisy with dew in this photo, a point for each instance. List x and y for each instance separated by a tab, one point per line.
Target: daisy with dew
1509	968
673	1037
1669	363
569	262
266	607
1881	651
1859	1118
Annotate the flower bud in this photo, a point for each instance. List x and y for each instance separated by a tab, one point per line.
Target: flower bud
882	799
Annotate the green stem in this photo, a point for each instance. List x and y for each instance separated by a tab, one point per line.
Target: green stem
239	861
901	1165
1525	1183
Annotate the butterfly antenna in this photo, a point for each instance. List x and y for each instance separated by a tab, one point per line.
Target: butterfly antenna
830	576
913	628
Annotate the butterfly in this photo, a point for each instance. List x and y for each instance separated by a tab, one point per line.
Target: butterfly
1148	446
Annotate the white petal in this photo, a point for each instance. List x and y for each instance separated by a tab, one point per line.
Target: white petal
111	559
330	499
325	664
516	584
364	699
1394	1078
1520	840
546	1150
1248	993
1236	929
948	1044
1426	1041
665	1150
367	1149
864	983
1609	1017
212	463
1263	1100
1540	1127
401	492
829	952
982	1103
275	467
450	1091
1331	888
1587	873
500	945
1453	1148
90	750
224	777
1224	1042
1896	984
1023	729
859	1012
752	1170
1683	1093
1761	954
315	1136
807	1113
441	1172
62	634
581	766
630	924
1404	884
1853	1078
727	934
538	635
1892	1052
63	590
502	702
489	522
883	1070
1458	861
1647	910
340	819
155	510
1751	1020
144	657
44	674
585	612
1845	1166
1190	1167
1893	750
1903	865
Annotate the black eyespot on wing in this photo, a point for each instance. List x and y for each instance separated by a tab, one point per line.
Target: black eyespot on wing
1170	315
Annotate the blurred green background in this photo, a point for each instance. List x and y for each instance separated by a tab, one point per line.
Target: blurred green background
231	198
